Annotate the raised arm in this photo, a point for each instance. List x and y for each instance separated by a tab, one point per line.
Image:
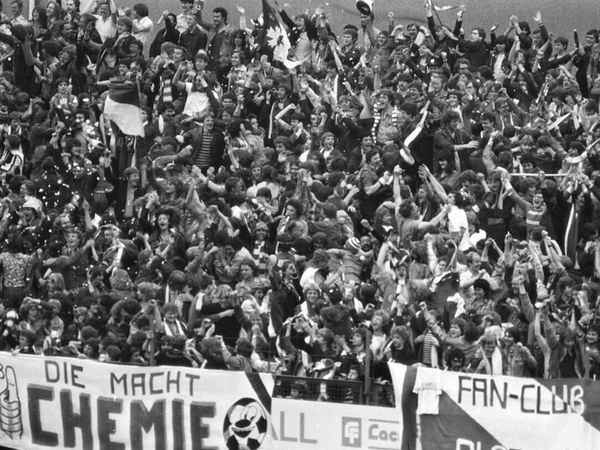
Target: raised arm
525	206
435	185
525	301
177	77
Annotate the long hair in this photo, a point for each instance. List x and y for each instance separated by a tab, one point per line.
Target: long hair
239	34
57	11
42	16
59	281
119	279
222	292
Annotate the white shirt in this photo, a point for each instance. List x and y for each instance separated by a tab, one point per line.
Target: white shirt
303	48
457	219
145	26
428	385
196	103
19	20
498	73
182	24
106	27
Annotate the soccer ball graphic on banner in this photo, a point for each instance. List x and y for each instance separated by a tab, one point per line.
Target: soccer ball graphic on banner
245	425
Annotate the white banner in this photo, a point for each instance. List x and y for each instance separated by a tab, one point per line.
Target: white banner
526	413
305	425
460	411
80	404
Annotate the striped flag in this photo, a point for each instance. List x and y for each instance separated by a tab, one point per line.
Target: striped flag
122	106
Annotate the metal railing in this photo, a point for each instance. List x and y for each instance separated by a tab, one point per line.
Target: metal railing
333	391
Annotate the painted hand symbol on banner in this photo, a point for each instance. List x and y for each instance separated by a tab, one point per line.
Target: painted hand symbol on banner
10	405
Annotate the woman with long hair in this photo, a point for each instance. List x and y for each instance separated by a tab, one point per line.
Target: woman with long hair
313	301
32	323
356	352
238	72
166	236
292	211
398	347
248	276
201	97
318	164
446	173
54	17
39	23
239	43
73	331
121	285
55	288
252	317
427	203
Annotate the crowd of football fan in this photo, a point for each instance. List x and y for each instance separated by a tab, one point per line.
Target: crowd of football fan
303	200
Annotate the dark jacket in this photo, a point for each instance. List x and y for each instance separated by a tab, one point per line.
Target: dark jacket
195	136
168	34
475	52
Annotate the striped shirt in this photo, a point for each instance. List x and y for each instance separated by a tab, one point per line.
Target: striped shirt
202	158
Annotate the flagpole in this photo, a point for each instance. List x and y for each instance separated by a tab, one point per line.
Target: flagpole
436	13
133	158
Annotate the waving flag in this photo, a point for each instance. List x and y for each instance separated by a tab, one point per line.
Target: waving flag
444	8
123	108
275	36
429	3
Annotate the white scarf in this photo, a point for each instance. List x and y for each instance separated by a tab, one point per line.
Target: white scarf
496	365
169	332
378	119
